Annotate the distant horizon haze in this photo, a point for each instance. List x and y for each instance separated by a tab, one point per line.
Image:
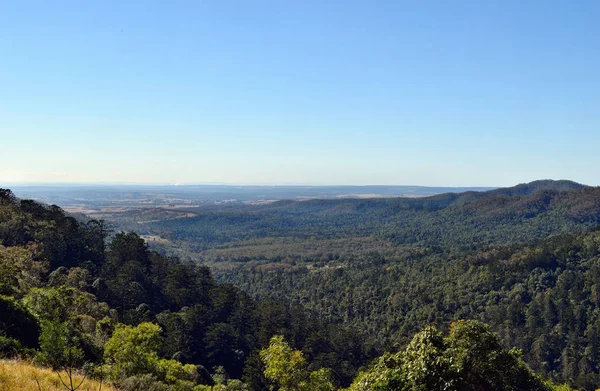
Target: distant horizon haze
241	184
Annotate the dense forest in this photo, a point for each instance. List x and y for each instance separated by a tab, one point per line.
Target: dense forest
522	259
521	213
62	283
365	294
542	297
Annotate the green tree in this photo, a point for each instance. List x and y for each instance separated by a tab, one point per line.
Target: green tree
60	348
480	362
288	368
16	322
132	351
471	357
19	271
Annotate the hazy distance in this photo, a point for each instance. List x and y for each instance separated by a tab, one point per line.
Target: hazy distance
83	198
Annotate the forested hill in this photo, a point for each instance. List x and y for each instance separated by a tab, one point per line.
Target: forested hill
69	296
516	214
535	186
543	297
64	287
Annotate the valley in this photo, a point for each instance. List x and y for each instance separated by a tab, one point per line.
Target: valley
524	260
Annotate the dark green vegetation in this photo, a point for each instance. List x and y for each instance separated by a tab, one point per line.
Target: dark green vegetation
67	291
464	220
542	297
470	357
525	260
522	259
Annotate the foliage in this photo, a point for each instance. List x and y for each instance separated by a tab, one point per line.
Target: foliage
65	271
19	272
60	349
288	368
145	382
9	347
523	213
16	322
416	262
60	346
469	358
541	297
133	351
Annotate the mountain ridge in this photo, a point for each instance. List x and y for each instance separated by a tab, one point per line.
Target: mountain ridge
537	209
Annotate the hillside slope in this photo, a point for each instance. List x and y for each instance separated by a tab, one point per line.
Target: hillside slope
60	274
518	214
543	297
21	376
63	282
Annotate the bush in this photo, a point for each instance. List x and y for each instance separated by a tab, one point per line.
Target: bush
471	357
18	323
145	382
132	351
9	347
60	346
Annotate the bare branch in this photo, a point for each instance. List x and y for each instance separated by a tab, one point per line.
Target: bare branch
82	380
38	383
61	380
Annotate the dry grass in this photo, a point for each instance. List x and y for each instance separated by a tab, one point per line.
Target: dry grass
21	376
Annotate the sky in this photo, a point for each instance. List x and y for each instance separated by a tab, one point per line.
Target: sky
324	92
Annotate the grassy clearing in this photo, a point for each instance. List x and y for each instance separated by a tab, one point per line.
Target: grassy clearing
20	376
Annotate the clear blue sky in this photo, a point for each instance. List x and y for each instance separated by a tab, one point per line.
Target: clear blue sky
312	92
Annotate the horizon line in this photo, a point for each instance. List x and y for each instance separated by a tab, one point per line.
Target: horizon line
240	184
